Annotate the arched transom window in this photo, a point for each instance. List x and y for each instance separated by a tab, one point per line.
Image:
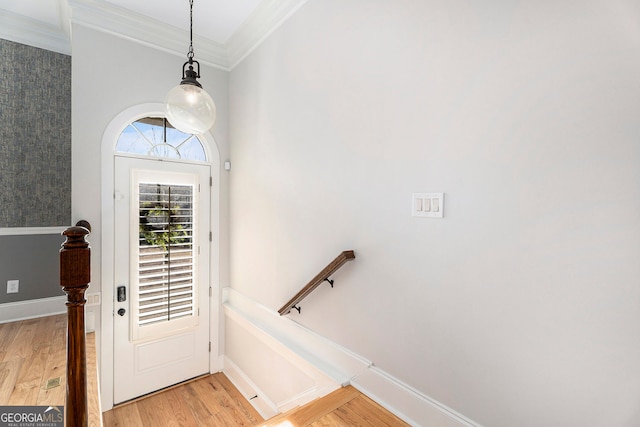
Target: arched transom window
155	137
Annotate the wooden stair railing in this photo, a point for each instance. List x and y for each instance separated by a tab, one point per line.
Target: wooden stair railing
316	281
75	275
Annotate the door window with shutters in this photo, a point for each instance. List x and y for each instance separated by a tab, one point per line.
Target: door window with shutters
164	298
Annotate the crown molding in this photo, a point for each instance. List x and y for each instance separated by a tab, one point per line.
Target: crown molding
102	16
20	29
105	17
269	15
64	16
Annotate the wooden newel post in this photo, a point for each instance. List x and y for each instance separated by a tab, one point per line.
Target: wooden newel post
75	275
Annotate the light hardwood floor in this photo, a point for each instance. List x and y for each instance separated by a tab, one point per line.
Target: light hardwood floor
214	401
208	401
34	351
344	407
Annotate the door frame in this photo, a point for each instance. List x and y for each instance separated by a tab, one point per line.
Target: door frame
108	153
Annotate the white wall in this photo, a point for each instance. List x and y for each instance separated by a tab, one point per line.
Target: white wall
520	307
111	74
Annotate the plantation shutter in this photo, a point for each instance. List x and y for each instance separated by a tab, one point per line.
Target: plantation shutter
165	253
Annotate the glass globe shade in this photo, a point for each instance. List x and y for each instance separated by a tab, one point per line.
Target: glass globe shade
190	109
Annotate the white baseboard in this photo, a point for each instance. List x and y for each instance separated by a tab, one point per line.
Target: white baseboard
248	389
409	404
302	346
22	310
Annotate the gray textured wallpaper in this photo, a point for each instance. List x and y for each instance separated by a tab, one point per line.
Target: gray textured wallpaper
35	137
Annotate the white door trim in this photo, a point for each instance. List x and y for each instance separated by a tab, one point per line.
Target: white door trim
109	138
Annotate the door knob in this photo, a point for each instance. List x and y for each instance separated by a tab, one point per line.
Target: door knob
122	311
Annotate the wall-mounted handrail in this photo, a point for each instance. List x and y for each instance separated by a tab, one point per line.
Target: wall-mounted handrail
316	281
75	275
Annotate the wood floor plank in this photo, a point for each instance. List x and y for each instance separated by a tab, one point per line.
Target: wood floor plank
56	367
155	411
26	363
34	365
352	418
21	346
374	413
344	407
93	385
212	395
251	414
34	351
197	402
280	418
8	332
26	342
45	330
194	396
228	418
59	339
311	412
211	420
25	393
9	371
231	401
214	401
208	401
123	416
180	410
329	420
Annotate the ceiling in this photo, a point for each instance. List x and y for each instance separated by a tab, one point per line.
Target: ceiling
224	30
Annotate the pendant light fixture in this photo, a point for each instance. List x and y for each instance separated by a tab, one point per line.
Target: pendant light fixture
188	107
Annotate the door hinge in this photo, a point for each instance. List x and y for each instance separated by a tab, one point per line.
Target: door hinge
209	346
210	181
210	291
211	236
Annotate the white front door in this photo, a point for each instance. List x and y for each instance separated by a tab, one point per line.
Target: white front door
161	275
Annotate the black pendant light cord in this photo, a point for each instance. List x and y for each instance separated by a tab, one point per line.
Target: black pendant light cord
189	75
190	54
